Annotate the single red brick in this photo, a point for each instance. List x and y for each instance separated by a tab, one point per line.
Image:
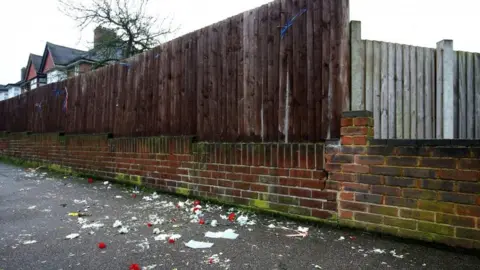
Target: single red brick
259	170
330	167
355	168
301	173
257	187
353	206
306	193
249	178
343	177
311	203
241	169
363	121
315	184
347	140
460	175
241	185
347	196
324	195
352	131
346	214
346	122
360	140
321	214
289	182
370	160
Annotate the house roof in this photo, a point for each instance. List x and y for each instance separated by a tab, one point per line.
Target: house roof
36	60
3	88
63	55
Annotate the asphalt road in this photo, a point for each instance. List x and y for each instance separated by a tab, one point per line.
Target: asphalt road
34	223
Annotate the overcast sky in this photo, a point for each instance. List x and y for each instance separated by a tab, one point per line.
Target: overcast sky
25	25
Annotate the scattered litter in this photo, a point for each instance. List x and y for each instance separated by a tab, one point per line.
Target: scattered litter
72	236
79	202
134	195
213	223
63	205
394	254
161	237
213	259
384	263
149	267
144	245
93	225
155	196
101	245
424	264
32	207
196	202
155	220
79	214
134	266
147	198
378	251
134	218
301	231
316	266
227	234
271	226
341	238
118	197
242	220
106	183
223	217
123	230
117	224
90	180
231	217
196	244
149	225
201	221
156	231
180	205
81	221
30	242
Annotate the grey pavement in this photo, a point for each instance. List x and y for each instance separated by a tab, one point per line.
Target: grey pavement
34	223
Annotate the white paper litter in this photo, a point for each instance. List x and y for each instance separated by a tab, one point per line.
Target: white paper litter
117	224
156	231
181	204
72	236
214	223
147	198
81	221
223	217
227	234
196	244
302	229
105	183
134	218
394	254
29	242
163	237
149	267
341	238
155	196
378	251
32	207
93	225
123	230
271	226
118	197
155	220
242	220
79	202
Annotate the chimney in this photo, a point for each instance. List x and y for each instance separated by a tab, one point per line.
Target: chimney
23	70
102	35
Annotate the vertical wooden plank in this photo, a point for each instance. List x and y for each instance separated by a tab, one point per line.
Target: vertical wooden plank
377	82
262	66
429	121
420	93
384	90
399	90
470	119
206	89
273	69
240	62
413	92
199	82
224	89
476	68
299	88
358	59
368	75
248	70
311	130
391	91
326	65
446	101
316	10
406	92
462	96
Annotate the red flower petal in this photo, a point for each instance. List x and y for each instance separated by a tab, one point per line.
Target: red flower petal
90	180
149	224
101	245
201	221
231	217
196	202
171	240
134	266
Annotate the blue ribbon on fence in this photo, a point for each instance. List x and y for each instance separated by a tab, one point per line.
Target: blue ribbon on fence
283	32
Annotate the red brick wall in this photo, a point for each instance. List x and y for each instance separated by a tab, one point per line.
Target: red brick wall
273	176
426	189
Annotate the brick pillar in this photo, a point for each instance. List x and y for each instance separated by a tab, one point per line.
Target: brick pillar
343	164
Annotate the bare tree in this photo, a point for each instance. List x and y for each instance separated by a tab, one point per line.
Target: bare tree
135	30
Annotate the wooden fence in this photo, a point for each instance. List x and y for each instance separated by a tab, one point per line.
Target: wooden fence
238	79
416	92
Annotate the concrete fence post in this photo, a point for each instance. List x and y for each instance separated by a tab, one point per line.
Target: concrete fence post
357	88
445	103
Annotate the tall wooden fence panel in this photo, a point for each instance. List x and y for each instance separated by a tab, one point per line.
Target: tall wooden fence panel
416	92
239	79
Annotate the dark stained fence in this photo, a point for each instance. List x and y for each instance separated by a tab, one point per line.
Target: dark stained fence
236	80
